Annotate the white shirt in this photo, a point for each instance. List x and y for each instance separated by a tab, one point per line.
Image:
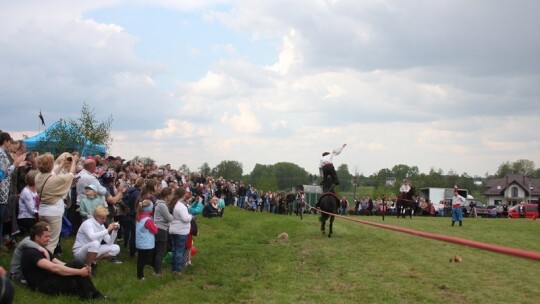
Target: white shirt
327	159
404	188
27	204
181	223
89	231
457	201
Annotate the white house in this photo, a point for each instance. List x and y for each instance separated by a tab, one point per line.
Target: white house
512	190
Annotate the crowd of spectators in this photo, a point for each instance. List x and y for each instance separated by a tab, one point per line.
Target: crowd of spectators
106	203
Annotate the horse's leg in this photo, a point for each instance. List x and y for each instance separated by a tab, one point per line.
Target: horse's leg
331	225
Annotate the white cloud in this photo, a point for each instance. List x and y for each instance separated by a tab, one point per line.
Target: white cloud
422	83
175	128
245	121
289	56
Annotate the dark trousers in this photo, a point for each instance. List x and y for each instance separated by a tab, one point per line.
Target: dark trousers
144	257
161	249
129	235
81	286
329	170
25	224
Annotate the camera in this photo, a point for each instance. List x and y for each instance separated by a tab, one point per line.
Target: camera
69	158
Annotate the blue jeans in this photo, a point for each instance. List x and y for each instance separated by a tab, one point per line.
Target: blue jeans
177	257
241	200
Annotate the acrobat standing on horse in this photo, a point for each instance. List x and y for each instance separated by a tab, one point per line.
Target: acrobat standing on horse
328	202
326	167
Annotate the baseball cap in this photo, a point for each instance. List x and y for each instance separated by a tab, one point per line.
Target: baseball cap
93	187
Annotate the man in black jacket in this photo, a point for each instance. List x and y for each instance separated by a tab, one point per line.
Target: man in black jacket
130	199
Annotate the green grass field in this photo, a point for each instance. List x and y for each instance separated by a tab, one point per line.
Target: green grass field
240	260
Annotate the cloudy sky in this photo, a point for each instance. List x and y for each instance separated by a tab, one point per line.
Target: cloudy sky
429	83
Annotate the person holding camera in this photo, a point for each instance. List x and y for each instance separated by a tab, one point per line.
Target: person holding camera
53	186
472	206
88	247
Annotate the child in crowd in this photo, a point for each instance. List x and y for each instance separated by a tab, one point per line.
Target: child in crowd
28	204
194	231
89	203
145	231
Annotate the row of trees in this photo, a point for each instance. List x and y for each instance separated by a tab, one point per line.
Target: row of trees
75	134
284	176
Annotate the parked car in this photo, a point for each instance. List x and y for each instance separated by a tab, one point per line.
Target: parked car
481	210
494	211
529	211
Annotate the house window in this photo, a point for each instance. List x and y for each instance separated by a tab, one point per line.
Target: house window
514	191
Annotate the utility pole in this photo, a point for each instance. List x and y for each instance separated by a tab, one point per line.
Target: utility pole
355	180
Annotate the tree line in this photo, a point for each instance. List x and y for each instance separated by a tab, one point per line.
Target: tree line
74	134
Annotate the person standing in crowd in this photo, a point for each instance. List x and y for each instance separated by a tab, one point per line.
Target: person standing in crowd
326	166
90	202
52	187
457	211
7	167
145	241
28	204
94	242
162	218
344	204
242	193
86	178
179	230
130	199
369	205
442	205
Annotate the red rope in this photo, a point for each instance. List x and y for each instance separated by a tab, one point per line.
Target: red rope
534	255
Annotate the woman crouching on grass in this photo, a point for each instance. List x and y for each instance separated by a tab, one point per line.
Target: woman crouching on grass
145	231
179	230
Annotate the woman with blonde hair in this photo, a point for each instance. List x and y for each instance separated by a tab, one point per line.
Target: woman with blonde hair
63	167
94	241
52	187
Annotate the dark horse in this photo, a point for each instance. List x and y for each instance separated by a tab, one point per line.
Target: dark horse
328	203
405	203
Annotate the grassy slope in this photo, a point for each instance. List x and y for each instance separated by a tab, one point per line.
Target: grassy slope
241	261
